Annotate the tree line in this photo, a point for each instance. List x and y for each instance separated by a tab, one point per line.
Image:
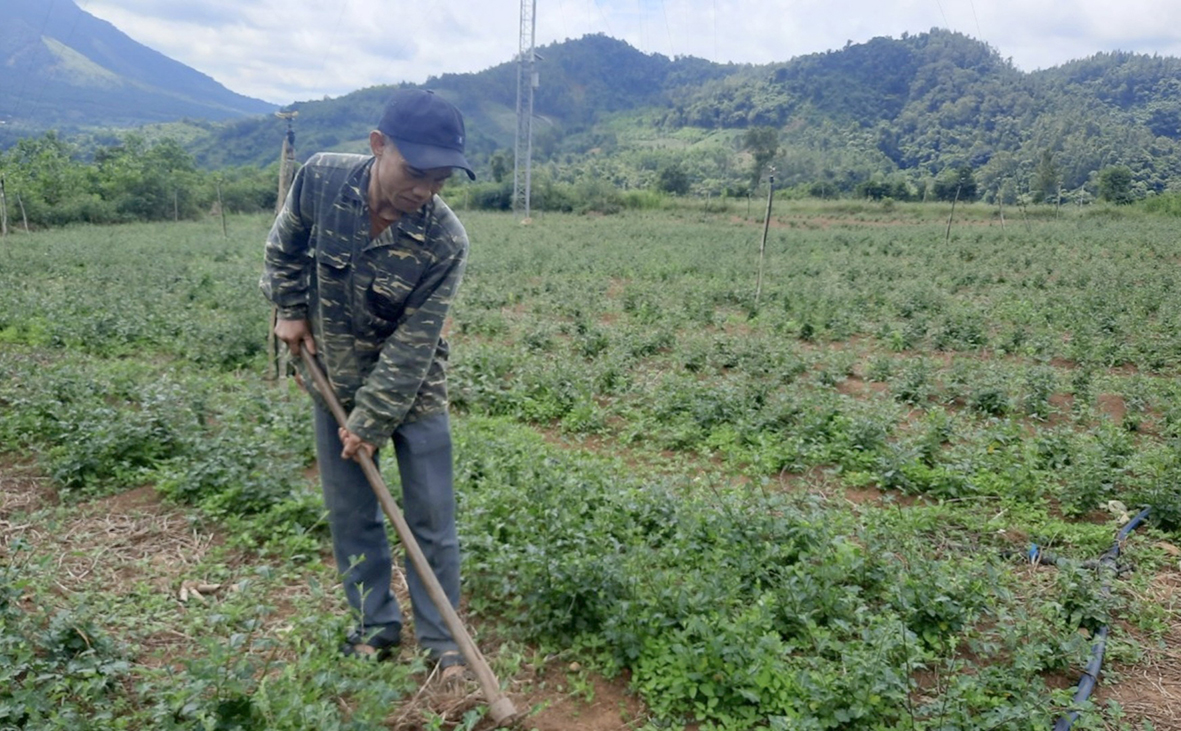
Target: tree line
48	182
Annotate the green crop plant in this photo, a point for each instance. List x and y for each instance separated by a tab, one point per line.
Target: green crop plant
800	515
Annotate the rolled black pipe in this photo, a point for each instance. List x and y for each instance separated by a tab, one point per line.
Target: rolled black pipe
1086	684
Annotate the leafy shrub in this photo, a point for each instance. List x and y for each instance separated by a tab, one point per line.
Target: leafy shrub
1040	385
104	448
59	669
992	400
913	385
732	611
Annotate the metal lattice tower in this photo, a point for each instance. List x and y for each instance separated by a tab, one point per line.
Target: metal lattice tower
526	83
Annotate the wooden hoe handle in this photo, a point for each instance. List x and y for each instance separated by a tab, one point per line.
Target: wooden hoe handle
499	706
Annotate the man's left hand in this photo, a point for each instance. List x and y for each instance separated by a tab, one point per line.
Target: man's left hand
352	443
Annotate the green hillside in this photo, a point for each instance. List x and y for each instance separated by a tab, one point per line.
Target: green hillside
897	111
581	81
933	115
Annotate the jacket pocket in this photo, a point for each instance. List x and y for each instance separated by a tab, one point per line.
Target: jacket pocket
383	306
395	275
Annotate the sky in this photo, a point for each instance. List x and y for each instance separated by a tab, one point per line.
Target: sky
298	50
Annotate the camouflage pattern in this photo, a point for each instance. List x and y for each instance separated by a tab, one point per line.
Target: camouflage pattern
377	305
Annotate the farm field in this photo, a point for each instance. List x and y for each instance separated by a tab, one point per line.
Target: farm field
680	506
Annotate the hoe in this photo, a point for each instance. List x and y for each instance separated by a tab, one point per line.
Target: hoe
500	708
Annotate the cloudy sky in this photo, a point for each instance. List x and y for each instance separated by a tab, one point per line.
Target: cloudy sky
303	49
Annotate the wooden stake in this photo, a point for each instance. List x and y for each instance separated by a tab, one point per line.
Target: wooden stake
947	238
24	218
222	208
286	168
1024	217
763	244
276	355
3	211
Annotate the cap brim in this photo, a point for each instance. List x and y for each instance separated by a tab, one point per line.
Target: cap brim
427	157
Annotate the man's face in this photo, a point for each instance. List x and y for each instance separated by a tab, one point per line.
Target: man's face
400	186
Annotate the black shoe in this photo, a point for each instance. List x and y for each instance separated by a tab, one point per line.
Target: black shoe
380	644
449	659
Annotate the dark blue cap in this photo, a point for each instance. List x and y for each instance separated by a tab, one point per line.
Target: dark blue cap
427	129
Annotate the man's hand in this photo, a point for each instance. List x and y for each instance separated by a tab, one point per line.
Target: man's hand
352	443
297	334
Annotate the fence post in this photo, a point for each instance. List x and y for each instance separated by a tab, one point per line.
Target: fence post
221	207
763	245
24	217
947	238
3	211
286	160
276	357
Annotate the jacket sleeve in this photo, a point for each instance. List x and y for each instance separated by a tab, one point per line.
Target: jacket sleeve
287	262
391	388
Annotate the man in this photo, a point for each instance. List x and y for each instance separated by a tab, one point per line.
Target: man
363	263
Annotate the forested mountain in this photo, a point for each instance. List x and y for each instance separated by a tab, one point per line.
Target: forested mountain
886	117
899	111
581	81
62	67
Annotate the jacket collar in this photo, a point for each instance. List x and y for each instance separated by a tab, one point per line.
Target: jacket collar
415	225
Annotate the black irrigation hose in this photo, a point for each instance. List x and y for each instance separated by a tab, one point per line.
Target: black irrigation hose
1086	683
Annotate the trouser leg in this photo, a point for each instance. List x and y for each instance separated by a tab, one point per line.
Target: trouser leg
359	540
424	462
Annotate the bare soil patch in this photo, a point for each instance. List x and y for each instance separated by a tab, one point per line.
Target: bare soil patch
1113	406
115	542
608	705
556	699
22	490
1150	690
856	387
1063	404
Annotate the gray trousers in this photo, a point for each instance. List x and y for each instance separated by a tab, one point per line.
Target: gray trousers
359	542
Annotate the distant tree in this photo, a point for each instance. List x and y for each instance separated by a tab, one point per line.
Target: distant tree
824	189
955	184
147	182
1115	184
500	165
673	179
1047	178
875	188
763	142
996	177
45	168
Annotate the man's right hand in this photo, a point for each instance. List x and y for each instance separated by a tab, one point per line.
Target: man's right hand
297	334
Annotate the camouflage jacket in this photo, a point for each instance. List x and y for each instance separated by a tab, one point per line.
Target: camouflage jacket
376	305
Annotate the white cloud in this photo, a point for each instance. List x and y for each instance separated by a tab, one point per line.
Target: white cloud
298	49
